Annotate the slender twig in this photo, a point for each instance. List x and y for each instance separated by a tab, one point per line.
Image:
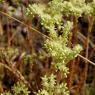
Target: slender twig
16	73
86	59
24	24
83	38
41	33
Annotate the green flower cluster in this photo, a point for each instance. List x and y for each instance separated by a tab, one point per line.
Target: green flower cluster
50	87
9	54
18	89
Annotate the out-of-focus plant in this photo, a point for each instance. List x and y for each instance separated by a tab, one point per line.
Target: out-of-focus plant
18	89
6	93
9	54
1	1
